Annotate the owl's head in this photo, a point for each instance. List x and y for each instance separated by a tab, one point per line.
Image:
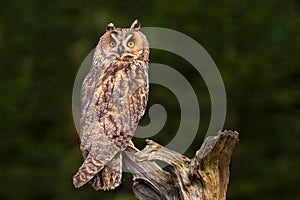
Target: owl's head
124	43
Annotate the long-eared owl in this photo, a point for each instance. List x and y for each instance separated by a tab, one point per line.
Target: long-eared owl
114	95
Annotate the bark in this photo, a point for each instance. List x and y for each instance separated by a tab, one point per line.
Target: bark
204	177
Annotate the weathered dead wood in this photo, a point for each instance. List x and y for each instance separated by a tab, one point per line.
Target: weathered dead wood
205	177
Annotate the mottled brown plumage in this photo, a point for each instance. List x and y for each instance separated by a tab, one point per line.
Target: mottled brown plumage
113	99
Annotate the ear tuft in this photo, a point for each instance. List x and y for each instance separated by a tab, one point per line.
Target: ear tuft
136	25
110	27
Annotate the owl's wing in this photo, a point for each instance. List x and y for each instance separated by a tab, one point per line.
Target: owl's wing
89	85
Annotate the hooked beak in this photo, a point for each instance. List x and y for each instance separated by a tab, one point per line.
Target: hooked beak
121	50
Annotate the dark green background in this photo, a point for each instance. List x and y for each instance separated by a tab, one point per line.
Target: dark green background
255	44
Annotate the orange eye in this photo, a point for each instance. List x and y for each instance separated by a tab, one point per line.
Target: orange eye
130	44
112	44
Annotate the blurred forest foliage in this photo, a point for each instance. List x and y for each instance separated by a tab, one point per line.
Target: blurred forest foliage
255	44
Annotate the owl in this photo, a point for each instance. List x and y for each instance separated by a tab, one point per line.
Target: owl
114	95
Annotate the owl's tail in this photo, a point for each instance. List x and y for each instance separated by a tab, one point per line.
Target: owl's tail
110	176
87	171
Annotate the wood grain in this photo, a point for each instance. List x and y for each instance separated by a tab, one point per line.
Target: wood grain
204	177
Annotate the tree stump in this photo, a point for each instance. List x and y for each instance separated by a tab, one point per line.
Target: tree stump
204	177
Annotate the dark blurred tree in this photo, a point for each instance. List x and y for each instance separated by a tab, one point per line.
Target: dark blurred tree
254	43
